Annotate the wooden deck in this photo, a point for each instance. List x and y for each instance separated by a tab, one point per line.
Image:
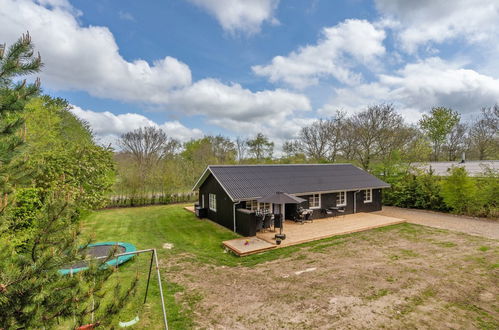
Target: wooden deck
190	209
323	228
248	245
310	231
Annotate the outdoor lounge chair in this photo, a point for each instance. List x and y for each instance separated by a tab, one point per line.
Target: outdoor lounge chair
341	210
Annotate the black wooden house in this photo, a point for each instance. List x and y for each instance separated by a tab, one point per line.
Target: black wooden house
228	193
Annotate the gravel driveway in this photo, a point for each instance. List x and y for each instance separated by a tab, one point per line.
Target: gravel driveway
473	226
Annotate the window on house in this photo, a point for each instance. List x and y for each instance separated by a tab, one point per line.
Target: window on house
252	205
266	207
314	201
341	198
368	196
212	203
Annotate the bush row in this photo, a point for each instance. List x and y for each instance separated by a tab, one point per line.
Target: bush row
457	193
158	199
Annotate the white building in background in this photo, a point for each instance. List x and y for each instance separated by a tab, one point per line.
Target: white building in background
474	167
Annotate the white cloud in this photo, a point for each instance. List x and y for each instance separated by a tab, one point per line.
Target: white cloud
240	15
108	126
278	128
126	16
87	58
341	48
418	22
434	82
419	86
214	99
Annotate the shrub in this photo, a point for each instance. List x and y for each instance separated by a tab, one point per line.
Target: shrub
460	192
27	205
24	214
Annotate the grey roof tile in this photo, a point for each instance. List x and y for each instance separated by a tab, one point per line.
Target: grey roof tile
254	181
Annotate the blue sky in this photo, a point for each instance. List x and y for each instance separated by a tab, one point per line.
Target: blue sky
238	67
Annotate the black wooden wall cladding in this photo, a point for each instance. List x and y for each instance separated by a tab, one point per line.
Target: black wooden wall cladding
246	221
329	200
224	213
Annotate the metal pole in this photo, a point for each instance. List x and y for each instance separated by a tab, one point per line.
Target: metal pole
126	253
234	215
148	278
160	289
154	254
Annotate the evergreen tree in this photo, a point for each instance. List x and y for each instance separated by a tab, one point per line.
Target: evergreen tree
39	218
15	62
260	147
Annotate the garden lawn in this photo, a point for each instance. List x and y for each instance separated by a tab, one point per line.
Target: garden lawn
398	276
194	241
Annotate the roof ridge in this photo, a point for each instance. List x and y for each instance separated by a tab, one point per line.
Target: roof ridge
248	165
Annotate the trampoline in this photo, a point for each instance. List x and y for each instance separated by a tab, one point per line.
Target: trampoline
102	249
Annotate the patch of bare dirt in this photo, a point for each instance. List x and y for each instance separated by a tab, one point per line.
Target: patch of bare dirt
404	277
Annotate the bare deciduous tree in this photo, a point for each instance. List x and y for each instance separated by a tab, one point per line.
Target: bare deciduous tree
223	148
376	132
147	145
241	147
315	139
457	141
484	136
292	148
322	139
171	148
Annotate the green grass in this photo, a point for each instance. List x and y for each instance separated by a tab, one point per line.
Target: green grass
194	241
151	227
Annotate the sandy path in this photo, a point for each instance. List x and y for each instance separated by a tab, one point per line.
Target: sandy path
473	226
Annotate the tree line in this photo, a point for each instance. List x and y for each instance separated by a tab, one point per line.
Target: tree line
151	163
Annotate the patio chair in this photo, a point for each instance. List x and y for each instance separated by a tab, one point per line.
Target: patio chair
259	222
299	217
309	216
328	212
267	221
341	210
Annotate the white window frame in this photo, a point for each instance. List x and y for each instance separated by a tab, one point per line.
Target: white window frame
252	205
265	206
212	203
338	198
370	200
202	201
314	197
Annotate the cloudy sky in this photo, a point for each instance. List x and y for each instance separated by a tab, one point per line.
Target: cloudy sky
238	67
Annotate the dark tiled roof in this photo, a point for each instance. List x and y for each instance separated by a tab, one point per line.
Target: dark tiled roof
253	181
